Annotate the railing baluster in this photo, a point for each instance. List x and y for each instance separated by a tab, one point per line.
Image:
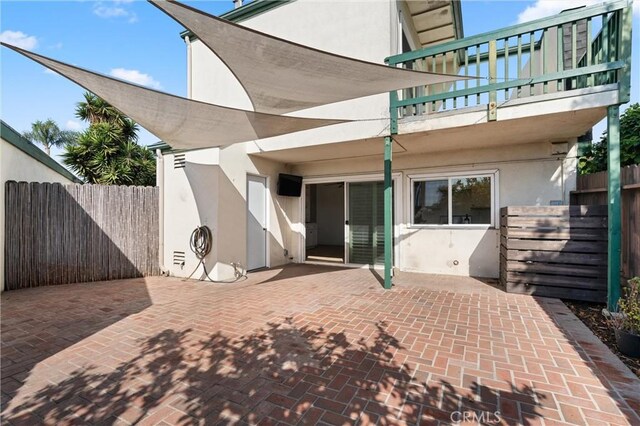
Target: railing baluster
614	43
605	38
493	68
478	72
574	51
543	53
605	45
560	53
433	86
532	55
466	73
589	52
444	85
455	70
506	65
574	45
519	63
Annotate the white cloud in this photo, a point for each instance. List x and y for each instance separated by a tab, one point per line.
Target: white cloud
135	76
48	71
114	9
73	125
19	39
544	8
56	46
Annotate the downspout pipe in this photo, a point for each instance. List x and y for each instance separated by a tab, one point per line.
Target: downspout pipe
160	184
187	41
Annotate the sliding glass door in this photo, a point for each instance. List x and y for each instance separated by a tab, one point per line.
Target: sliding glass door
366	223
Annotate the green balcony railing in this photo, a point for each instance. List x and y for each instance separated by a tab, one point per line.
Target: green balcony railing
575	49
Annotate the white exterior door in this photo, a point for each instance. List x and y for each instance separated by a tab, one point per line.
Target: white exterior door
256	222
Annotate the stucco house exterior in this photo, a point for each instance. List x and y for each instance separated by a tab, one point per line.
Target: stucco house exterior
460	151
22	161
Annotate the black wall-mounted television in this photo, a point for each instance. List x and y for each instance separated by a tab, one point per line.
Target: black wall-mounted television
289	185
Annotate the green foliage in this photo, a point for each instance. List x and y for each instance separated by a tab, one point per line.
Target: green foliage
595	157
48	134
629	306
107	152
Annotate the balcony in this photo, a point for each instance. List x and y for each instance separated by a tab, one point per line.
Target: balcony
580	52
548	80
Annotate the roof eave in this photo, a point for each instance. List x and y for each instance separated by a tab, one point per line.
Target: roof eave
12	136
249	10
456	6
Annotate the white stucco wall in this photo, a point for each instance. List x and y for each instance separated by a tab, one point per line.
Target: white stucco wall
18	166
211	190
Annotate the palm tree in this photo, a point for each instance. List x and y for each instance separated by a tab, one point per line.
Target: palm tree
96	110
48	134
107	152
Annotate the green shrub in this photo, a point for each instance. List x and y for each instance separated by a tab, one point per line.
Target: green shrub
629	306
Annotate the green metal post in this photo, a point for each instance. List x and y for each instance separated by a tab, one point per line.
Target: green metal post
615	220
388	189
388	212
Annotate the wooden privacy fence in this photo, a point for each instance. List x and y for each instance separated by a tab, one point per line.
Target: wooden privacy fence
592	189
59	234
558	251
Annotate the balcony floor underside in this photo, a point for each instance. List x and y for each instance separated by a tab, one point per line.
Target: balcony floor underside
545	118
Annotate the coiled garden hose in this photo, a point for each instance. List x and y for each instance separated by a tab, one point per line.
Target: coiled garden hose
201	242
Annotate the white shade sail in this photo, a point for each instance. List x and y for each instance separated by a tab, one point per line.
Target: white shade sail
280	76
181	123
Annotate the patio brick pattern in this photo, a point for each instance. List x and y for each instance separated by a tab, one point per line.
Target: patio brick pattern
304	345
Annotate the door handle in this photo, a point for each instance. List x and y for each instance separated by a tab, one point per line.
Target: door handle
264	229
346	222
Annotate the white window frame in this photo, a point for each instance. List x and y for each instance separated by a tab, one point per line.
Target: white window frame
459	174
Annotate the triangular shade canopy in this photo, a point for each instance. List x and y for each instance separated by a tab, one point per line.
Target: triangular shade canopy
280	76
182	123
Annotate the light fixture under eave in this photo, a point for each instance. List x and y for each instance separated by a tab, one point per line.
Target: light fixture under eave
179	122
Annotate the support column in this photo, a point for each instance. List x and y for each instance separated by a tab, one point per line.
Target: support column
388	212
614	208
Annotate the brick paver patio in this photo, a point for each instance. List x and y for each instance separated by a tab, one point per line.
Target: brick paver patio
304	344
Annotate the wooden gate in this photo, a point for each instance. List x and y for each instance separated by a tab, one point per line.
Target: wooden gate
59	234
555	251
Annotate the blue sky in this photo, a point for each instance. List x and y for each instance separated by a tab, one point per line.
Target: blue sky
134	40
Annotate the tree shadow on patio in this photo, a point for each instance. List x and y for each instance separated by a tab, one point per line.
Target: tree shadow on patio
291	372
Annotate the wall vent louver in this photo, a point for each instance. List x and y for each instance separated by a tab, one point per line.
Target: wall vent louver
179	161
178	258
